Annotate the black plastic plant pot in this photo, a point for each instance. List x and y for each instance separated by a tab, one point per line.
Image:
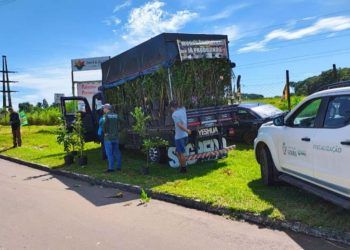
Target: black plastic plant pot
68	159
82	161
145	170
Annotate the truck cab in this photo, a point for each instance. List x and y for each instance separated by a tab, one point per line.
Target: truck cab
71	106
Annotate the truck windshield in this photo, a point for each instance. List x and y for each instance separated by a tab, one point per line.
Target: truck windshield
267	110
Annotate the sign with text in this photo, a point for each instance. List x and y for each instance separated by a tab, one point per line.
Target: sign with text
88	89
199	49
93	63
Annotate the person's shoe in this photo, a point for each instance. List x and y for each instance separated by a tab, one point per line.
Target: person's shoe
14	146
109	171
119	169
183	170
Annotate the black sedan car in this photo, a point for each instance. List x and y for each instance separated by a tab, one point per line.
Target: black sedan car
248	117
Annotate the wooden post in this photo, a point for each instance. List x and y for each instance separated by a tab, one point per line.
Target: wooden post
8	85
288	89
170	85
239	88
335	73
73	87
3	84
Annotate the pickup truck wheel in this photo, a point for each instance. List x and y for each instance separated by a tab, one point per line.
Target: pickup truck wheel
158	155
267	167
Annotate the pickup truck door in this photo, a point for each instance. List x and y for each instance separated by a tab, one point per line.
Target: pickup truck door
70	106
295	142
331	147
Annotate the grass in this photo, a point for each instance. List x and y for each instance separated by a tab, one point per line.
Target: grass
233	182
278	101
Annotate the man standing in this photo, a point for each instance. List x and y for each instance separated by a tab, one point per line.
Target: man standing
15	123
181	133
111	143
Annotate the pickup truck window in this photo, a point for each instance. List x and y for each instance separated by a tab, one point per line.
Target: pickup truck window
338	112
74	106
245	115
306	116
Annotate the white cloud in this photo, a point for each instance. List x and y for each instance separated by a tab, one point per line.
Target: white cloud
150	20
227	12
44	82
112	21
232	31
331	24
122	6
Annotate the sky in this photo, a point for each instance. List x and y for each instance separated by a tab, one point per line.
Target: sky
267	37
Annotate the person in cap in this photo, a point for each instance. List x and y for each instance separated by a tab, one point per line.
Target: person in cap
15	123
111	142
181	133
101	120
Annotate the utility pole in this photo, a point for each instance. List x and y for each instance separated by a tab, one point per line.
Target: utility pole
6	85
239	89
288	89
335	73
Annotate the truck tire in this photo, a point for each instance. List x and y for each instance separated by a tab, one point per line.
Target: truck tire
269	173
158	155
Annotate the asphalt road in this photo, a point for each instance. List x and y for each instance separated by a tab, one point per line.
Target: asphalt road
41	211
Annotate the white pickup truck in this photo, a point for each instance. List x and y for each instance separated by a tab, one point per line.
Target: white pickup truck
310	146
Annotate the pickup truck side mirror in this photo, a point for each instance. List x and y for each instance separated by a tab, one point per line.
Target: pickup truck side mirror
279	121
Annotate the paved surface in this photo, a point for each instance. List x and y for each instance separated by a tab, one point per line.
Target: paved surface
41	211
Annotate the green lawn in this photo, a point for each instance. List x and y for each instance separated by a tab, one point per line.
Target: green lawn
233	182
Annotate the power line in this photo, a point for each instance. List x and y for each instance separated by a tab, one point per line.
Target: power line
289	59
293	43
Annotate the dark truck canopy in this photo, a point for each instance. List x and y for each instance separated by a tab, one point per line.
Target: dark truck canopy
149	56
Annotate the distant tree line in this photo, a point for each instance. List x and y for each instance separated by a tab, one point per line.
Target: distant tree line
28	107
312	84
251	96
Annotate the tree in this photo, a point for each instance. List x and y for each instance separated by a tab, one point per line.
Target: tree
39	105
45	104
312	84
26	107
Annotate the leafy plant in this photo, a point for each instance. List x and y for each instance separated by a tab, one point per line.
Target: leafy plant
140	127
141	120
144	197
78	134
64	137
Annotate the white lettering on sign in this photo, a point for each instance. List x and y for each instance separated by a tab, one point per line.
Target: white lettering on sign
203	147
208	131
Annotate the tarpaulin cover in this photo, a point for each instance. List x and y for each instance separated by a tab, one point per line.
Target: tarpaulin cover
147	57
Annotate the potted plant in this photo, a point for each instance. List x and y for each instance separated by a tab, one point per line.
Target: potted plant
65	138
78	134
140	127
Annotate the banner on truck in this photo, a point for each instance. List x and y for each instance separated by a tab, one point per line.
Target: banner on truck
198	49
93	63
88	89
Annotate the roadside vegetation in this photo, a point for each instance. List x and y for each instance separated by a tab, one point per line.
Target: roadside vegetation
233	182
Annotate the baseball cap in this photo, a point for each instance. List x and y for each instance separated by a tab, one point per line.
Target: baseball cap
107	106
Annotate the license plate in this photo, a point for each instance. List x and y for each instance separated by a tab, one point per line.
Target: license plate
208	131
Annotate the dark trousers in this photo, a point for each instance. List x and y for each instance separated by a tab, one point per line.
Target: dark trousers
16	135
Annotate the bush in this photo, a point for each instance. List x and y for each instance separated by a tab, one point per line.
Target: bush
49	116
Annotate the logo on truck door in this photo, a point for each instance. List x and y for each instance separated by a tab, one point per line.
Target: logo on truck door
203	147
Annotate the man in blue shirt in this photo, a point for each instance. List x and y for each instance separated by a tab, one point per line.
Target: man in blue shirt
181	133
